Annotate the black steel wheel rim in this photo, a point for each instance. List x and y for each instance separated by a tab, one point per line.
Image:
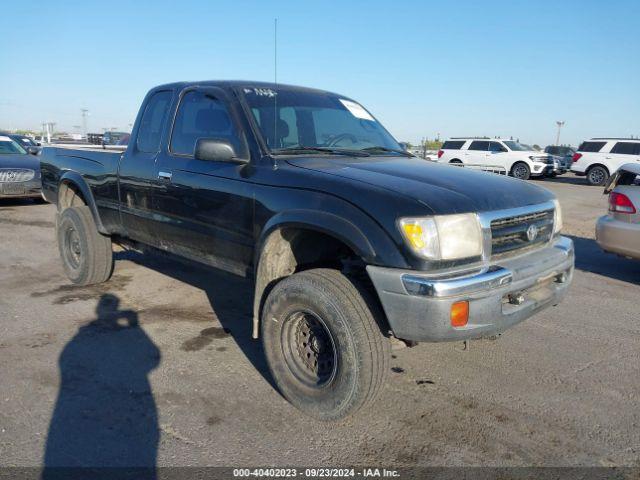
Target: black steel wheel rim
73	248
309	349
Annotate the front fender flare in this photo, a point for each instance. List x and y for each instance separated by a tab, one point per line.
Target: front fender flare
324	222
375	247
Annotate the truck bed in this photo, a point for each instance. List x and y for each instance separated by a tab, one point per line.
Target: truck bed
99	179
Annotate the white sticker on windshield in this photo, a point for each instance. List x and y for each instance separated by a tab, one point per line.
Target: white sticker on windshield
262	92
356	109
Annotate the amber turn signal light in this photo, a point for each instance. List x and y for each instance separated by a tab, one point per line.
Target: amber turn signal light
459	314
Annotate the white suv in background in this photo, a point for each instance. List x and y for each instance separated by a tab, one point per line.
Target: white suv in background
600	157
517	160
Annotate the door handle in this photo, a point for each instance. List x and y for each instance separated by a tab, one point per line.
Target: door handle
165	176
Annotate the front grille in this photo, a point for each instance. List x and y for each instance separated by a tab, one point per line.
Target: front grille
16	175
509	235
548	160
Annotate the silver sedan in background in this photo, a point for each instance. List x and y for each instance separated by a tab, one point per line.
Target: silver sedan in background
619	231
19	171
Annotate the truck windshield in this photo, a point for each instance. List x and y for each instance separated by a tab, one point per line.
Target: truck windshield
293	121
9	147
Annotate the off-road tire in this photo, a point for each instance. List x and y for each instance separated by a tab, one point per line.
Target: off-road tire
87	256
597	176
521	171
350	318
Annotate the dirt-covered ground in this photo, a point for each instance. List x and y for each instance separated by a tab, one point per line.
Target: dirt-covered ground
159	367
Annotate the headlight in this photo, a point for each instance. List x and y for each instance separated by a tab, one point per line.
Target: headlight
557	217
546	160
444	237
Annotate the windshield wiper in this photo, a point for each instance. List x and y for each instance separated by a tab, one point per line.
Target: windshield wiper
305	149
385	149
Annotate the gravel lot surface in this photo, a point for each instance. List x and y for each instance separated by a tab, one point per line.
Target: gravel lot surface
172	364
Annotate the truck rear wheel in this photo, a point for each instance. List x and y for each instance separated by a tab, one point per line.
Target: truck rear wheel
86	254
324	348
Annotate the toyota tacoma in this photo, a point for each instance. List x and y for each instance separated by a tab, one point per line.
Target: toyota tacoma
351	242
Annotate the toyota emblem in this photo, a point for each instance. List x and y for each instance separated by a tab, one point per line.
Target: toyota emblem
532	233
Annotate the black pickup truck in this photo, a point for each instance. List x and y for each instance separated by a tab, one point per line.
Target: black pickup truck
352	242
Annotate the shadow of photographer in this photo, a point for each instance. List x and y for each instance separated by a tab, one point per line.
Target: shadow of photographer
105	414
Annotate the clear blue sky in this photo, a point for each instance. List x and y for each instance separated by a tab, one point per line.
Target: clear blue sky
507	68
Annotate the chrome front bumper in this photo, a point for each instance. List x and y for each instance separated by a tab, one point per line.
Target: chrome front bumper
418	305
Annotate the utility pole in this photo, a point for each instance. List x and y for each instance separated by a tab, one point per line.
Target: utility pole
49	129
85	113
560	124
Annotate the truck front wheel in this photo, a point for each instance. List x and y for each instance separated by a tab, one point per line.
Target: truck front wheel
86	254
324	348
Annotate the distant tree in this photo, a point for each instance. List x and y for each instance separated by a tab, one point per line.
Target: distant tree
25	132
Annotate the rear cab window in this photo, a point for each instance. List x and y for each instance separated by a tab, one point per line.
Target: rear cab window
452	145
592	147
153	120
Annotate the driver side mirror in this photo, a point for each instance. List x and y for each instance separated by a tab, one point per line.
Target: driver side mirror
215	150
33	150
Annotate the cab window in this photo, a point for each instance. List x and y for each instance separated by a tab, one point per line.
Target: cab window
202	115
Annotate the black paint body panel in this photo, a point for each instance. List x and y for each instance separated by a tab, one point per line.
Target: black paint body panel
221	212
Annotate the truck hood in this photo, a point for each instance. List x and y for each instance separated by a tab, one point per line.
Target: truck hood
20	161
442	188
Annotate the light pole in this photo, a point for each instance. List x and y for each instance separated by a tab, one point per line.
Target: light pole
560	124
49	129
85	113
